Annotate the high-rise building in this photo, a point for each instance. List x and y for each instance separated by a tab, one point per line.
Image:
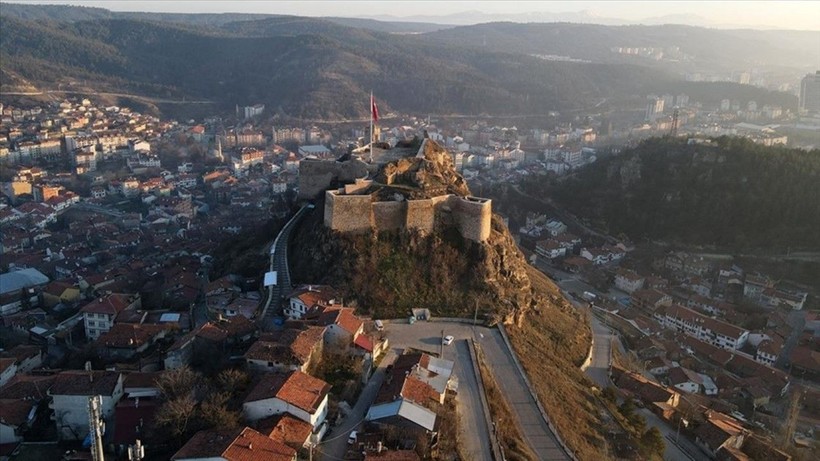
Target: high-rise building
654	109
810	93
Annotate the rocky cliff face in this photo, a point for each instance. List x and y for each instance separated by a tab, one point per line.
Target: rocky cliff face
389	273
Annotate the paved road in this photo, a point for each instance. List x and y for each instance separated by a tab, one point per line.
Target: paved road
279	263
598	370
426	335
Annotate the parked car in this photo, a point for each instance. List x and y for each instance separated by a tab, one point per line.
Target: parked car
447	340
352	439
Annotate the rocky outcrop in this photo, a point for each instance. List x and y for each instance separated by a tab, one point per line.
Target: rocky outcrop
388	273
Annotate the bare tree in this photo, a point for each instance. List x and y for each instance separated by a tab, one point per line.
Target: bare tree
174	384
176	415
232	381
214	411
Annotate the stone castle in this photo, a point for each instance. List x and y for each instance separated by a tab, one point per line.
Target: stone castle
418	192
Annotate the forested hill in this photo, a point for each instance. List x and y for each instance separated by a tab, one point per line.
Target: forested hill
733	193
314	68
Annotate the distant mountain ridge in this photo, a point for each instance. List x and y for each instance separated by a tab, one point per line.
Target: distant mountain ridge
324	68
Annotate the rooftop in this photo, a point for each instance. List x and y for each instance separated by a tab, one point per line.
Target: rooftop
296	388
239	444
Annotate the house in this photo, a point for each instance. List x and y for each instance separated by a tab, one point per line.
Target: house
301	300
180	352
649	300
417	383
237	444
768	351
297	393
59	291
70	393
720	433
16	416
685	380
126	340
713	331
754	285
8	368
26	357
576	264
132	418
658	366
293	432
550	249
628	281
343	327
99	315
289	350
658	398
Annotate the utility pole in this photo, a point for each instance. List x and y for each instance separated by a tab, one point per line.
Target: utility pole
475	316
441	346
96	426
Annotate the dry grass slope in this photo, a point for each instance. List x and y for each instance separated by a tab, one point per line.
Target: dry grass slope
551	343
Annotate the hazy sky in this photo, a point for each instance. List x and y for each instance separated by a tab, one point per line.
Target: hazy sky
780	14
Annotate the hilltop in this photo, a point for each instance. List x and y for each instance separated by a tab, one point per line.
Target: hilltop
728	192
391	268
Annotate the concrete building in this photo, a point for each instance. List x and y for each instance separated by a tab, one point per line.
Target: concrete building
70	394
810	93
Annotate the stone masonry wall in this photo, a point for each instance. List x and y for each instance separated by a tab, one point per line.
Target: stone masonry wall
316	176
348	213
389	215
474	216
358	213
421	215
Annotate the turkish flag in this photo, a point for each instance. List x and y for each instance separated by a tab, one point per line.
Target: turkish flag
374	111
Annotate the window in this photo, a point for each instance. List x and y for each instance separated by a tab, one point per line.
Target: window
92	323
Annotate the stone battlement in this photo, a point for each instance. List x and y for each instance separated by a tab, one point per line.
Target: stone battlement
347	211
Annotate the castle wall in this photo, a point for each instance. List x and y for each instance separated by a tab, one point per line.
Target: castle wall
473	216
316	176
348	213
389	215
359	214
421	215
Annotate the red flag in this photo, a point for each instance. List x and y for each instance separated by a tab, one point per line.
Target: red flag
374	111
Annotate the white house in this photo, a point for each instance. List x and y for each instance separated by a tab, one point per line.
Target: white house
707	329
550	249
297	393
685	380
301	300
99	314
628	281
768	351
70	393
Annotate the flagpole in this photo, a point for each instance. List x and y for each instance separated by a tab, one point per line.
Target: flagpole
371	125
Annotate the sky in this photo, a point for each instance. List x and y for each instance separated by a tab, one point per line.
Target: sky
804	15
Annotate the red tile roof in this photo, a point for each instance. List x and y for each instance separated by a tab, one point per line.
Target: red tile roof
76	382
15	411
111	304
296	388
240	444
286	429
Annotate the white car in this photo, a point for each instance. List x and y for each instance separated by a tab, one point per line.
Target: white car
447	340
352	439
